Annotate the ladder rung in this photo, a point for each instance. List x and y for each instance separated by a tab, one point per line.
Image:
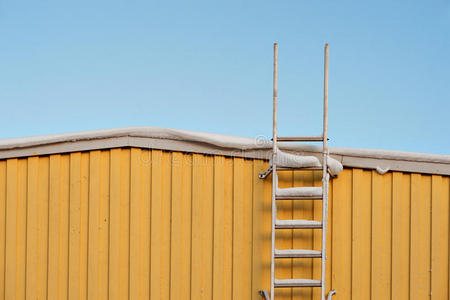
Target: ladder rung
297	253
300	139
296	168
299	197
286	283
297	224
299	193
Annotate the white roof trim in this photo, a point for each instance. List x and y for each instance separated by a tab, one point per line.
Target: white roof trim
201	142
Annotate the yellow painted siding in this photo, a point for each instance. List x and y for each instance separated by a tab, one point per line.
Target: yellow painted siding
152	224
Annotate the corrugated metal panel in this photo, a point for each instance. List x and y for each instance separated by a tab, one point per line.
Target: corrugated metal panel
141	224
390	235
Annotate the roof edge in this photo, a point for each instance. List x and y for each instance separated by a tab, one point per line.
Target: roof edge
219	144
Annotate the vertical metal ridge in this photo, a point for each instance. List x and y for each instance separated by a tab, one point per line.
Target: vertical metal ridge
233	236
173	195
214	204
3	179
108	291
130	210
190	224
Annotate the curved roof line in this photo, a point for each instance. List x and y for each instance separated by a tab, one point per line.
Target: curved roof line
211	143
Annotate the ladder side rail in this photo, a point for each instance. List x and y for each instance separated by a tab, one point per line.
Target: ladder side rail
274	168
325	176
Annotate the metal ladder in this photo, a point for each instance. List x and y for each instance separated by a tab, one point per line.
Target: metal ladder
298	193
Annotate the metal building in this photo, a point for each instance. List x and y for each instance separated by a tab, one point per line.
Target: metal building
153	213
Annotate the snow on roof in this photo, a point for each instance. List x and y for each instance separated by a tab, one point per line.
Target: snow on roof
210	143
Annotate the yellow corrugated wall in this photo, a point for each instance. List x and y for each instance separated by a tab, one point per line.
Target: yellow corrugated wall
141	224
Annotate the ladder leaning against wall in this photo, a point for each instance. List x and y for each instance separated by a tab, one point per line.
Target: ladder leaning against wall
286	161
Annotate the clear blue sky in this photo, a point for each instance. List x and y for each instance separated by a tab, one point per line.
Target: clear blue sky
208	66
